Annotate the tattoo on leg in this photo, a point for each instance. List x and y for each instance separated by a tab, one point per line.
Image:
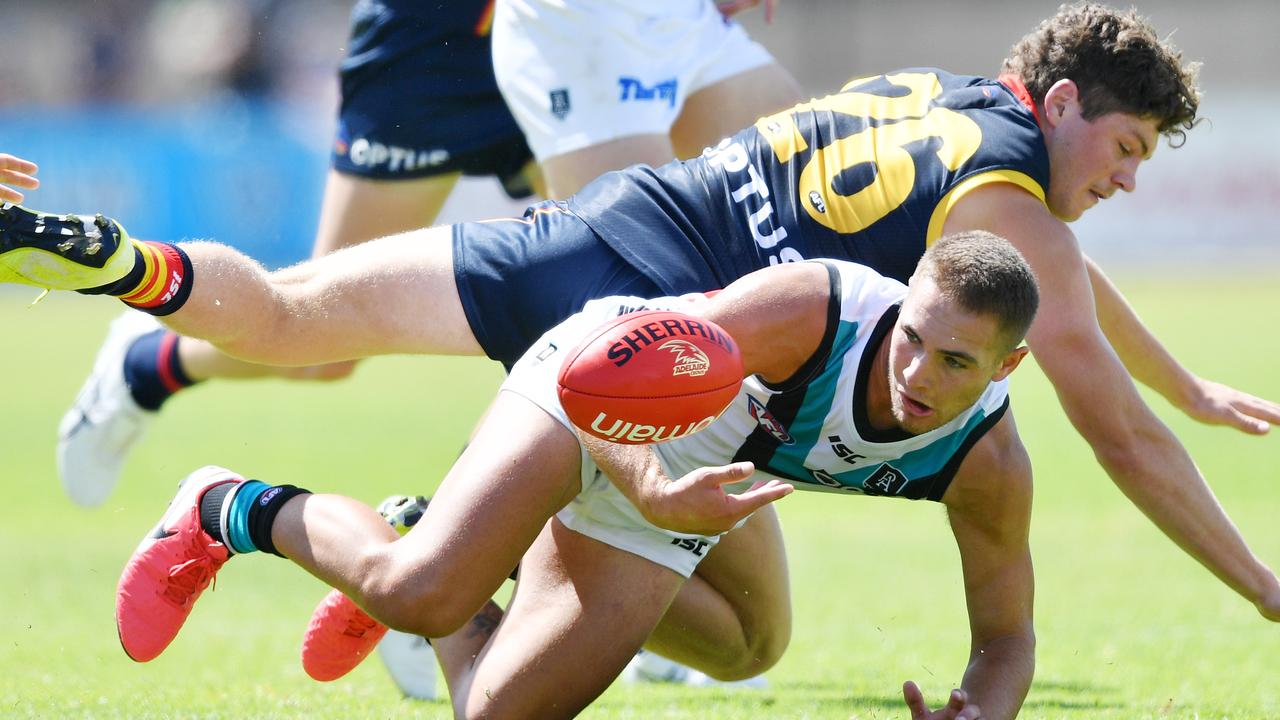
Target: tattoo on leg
485	621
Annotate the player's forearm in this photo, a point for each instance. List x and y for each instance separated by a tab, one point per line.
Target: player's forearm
631	468
1145	460
999	675
1155	472
1143	355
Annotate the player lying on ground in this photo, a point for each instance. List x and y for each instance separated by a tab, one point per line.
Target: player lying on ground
1088	94
910	382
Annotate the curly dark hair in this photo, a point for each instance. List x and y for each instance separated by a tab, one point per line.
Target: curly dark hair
1116	60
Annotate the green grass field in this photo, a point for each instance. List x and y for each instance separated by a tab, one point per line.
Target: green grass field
1128	627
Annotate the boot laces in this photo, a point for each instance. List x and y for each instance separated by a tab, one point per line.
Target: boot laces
187	579
359	623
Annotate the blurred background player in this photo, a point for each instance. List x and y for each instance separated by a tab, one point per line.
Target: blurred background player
598	86
419	108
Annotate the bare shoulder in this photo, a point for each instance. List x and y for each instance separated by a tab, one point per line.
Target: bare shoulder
777	315
1018	216
992	489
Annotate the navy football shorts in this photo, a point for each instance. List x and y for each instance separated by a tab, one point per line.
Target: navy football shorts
430	111
519	277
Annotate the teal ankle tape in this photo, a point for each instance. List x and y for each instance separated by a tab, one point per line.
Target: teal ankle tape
238	515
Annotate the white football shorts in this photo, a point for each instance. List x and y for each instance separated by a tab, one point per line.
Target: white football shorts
577	73
600	511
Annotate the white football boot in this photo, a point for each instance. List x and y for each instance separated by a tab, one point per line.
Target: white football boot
105	422
410	660
411	663
650	667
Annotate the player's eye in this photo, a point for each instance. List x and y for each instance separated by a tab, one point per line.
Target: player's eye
954	363
1124	150
912	338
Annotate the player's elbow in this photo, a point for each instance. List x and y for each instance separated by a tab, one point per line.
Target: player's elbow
1124	437
1127	450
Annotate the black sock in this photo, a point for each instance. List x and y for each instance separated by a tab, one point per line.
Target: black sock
211	510
152	369
263	514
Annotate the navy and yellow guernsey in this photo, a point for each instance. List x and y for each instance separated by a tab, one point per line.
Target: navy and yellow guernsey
813	430
867	174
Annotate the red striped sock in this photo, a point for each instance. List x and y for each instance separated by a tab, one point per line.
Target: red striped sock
165	279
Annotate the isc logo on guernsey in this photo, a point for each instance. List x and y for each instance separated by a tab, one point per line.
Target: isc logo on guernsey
620	430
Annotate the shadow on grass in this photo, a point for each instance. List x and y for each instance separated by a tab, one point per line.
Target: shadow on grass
1074	687
826	700
1070	695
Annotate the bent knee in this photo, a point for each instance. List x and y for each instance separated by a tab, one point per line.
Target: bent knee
758	655
416	605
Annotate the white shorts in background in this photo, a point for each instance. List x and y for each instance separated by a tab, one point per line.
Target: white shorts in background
577	73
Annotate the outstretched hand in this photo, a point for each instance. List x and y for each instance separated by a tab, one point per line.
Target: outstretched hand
1218	404
697	503
958	706
729	8
18	173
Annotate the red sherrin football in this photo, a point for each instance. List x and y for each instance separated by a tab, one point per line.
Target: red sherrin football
649	377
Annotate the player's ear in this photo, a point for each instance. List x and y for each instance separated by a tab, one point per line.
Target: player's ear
1059	100
1010	363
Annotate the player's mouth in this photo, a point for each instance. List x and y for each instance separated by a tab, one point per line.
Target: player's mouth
914	407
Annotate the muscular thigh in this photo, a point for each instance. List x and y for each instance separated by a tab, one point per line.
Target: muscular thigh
749	567
580	611
519	469
732	103
357	209
738	599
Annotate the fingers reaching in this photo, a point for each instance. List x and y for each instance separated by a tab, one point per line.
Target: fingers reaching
915	700
759	495
725	474
18	173
957	707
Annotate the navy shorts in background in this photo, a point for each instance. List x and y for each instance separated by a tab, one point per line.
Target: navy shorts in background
519	277
419	97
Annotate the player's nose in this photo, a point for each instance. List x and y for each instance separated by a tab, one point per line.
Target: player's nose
1126	178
